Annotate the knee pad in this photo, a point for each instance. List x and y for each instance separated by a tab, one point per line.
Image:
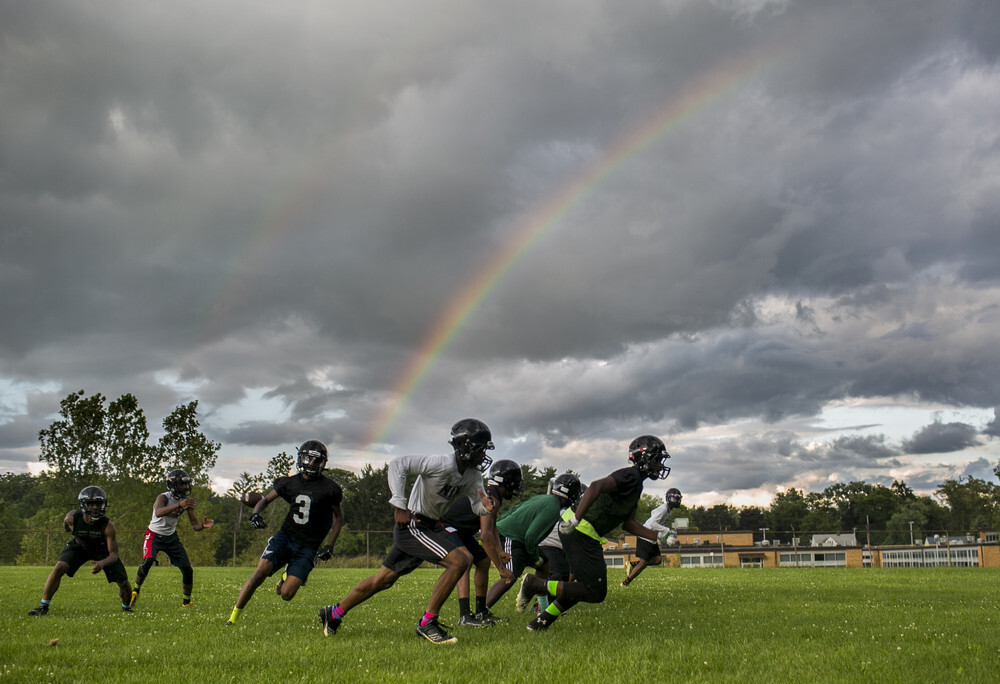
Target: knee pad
187	574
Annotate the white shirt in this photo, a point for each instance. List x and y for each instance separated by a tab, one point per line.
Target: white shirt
167	524
553	538
437	486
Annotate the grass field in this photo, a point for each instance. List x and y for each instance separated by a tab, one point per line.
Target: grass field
813	625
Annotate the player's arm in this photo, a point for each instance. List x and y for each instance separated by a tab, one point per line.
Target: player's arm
396	473
632	526
491	541
162	508
338	522
256	519
197	525
68	521
111	537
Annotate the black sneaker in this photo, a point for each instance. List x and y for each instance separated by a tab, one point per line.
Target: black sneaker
127	609
42	609
330	624
474	620
487	615
434	633
539	624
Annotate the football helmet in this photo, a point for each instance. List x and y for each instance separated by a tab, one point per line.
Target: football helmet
507	474
471	439
673	497
567	486
647	453
179	483
311	458
93	502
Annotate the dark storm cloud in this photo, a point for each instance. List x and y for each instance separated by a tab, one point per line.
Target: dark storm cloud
282	213
942	438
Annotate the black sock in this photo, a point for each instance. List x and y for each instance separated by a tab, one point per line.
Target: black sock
480	604
463	606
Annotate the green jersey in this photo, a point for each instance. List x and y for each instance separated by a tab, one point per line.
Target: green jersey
530	521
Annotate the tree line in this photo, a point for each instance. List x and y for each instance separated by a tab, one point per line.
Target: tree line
93	442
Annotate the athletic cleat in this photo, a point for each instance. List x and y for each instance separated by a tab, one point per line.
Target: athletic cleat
127	609
330	623
42	609
624	583
487	615
538	624
526	593
189	604
277	589
229	623
474	620
135	597
434	633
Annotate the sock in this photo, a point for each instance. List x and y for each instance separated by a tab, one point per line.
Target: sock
427	618
463	606
338	612
550	613
552	586
480	604
543	602
187	600
125	605
235	615
46	602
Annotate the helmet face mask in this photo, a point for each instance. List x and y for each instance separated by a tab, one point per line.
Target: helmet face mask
93	502
507	474
567	486
673	497
179	483
471	439
311	459
647	453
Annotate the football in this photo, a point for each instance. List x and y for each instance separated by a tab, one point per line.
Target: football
250	499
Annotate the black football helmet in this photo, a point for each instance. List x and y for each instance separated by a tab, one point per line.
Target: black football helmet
568	487
311	458
93	502
673	497
179	483
647	453
507	474
471	439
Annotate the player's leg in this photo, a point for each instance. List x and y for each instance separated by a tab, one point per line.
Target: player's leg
149	552
50	588
331	616
116	573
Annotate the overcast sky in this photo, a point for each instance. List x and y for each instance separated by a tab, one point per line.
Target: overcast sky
767	231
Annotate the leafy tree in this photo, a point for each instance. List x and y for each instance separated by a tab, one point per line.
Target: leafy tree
184	446
788	510
751	518
72	447
969	498
126	451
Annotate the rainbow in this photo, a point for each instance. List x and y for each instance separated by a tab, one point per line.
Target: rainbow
697	97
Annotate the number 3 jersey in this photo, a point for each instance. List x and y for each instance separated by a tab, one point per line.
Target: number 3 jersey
310	514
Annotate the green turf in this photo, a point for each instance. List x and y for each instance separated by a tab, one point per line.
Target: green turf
828	625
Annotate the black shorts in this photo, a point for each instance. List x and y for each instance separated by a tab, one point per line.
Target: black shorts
418	541
646	550
74	555
586	558
519	556
558	565
169	544
467	538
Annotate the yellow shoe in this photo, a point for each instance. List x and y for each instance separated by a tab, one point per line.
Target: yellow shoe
135	597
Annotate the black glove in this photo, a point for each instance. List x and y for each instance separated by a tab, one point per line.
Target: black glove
257	521
325	553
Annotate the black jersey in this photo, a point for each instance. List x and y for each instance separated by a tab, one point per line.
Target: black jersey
310	515
462	517
611	509
91	536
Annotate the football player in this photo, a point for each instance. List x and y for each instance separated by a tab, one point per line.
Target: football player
94	538
527	524
315	509
553	565
162	533
648	550
609	502
503	484
418	535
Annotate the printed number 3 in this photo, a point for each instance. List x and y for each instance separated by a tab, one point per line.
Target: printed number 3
302	515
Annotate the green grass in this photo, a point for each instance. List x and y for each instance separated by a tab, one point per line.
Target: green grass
828	625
